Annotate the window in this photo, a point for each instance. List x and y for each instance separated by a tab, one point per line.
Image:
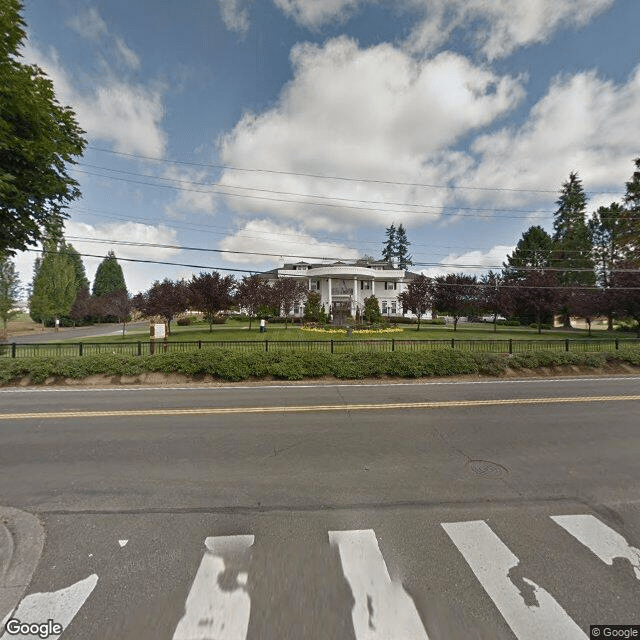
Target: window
393	307
296	309
390	286
365	285
384	306
314	285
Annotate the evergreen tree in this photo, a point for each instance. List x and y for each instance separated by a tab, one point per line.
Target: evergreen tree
9	290
605	228
630	227
53	291
389	247
402	246
78	267
572	244
109	277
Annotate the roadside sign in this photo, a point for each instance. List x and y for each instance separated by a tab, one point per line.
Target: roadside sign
158	331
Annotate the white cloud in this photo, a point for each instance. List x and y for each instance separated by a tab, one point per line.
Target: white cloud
234	15
129	57
89	24
499	26
471	262
583	124
127	114
314	14
138	276
374	113
192	197
285	241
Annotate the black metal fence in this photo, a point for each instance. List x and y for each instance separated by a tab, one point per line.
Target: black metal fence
17	350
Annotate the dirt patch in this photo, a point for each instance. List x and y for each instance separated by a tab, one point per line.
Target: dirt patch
177	379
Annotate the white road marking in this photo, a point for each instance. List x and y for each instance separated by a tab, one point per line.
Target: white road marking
530	611
123	543
212	613
603	541
60	606
382	609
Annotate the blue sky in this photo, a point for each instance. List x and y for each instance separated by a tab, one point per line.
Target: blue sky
305	127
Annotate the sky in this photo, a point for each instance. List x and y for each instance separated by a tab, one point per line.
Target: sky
240	134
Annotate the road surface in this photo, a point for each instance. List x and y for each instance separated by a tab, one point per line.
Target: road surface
496	509
73	333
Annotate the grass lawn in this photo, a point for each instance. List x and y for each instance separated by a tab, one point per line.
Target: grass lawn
237	330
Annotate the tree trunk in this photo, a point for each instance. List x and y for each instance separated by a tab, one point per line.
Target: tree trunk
610	322
455	323
589	323
210	327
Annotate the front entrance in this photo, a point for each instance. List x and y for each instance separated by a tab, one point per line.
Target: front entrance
340	311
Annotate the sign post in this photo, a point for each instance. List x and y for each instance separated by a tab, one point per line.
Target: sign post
156	332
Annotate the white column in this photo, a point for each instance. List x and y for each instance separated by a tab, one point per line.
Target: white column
330	300
354	299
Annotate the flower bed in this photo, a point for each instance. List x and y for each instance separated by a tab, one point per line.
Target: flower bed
354	331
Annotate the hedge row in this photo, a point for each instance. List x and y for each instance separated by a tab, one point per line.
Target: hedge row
296	365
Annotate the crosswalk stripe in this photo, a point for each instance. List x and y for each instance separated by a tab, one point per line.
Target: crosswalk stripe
382	610
60	606
603	541
534	617
210	612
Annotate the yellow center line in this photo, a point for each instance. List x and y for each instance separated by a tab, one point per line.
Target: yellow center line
202	411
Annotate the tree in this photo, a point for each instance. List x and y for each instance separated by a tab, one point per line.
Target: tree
78	266
456	295
119	305
83	306
371	311
533	251
572	246
312	307
252	293
417	297
53	291
402	247
9	290
630	227
288	292
493	298
166	299
626	282
588	303
38	137
539	295
109	277
389	247
605	228
211	293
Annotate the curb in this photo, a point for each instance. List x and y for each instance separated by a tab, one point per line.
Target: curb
21	543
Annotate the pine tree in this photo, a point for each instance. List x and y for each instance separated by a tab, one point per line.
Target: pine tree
533	251
389	247
572	241
109	277
81	275
53	291
630	227
402	246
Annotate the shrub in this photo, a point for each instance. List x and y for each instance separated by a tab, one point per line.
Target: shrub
534	325
183	322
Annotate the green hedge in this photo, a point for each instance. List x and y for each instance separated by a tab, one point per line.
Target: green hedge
231	365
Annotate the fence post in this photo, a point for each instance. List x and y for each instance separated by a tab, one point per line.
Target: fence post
566	344
13	349
510	346
139	348
393	344
331	345
453	343
79	348
617	344
266	345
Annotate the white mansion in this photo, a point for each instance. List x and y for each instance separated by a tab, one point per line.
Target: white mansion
344	286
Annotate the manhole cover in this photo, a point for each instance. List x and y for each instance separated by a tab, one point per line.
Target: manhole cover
487	469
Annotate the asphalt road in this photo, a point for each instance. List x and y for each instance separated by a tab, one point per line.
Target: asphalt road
71	333
506	509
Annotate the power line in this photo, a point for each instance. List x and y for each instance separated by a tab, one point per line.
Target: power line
317	204
322	176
